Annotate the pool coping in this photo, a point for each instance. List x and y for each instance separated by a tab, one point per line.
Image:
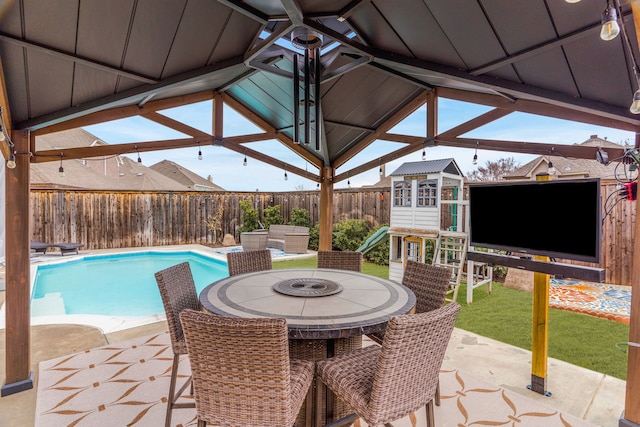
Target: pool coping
109	324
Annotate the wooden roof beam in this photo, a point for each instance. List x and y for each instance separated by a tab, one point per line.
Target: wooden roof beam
125	112
396	118
258	121
534	107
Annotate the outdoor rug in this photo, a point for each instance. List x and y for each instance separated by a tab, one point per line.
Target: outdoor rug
596	299
125	384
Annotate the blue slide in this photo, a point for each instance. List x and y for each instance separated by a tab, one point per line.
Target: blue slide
376	238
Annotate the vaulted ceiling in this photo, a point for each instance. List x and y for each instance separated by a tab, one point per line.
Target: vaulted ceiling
69	63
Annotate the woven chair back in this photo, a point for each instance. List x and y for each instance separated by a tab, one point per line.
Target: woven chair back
178	292
408	368
248	262
241	370
341	260
428	282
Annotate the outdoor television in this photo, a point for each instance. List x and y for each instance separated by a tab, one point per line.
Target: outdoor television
558	219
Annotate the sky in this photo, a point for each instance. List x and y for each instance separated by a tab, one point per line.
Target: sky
227	170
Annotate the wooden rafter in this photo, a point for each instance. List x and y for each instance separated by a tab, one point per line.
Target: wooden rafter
124	112
537	108
258	121
6	113
388	124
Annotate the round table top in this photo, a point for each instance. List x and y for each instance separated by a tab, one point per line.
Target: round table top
363	306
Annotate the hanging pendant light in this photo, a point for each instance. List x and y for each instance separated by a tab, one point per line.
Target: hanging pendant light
610	27
244	162
61	169
475	155
635	105
199	152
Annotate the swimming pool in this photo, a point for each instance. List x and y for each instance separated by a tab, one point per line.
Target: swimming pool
117	285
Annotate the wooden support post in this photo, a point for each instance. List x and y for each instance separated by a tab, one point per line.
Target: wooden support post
631	415
540	321
18	321
326	209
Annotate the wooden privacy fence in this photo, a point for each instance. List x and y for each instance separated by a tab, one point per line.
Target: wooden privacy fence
122	219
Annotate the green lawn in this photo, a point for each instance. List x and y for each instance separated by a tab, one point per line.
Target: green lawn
505	315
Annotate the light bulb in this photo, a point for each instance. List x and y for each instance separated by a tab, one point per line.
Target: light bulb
349	183
475	159
381	172
244	163
61	171
635	105
551	170
286	178
199	155
11	162
424	154
139	159
610	27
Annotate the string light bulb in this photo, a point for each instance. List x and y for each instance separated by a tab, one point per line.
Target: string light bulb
61	169
11	161
381	171
244	162
551	170
139	159
475	155
424	154
610	27
199	152
635	105
286	177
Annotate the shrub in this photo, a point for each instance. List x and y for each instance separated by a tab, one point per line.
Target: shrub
272	216
249	217
300	217
380	254
349	234
314	237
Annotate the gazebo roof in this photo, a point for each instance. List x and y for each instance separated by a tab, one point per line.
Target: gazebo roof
65	62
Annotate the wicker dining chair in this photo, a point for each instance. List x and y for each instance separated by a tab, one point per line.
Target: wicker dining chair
430	284
384	383
242	372
342	260
248	262
178	292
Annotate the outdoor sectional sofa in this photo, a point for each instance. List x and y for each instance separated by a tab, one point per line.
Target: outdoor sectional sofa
292	239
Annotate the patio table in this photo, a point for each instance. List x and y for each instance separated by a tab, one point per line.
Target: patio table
327	312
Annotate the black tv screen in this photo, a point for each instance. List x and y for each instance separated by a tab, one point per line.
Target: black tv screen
558	219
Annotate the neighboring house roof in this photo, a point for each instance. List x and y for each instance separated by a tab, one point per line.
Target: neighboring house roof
428	166
108	173
184	176
569	168
135	176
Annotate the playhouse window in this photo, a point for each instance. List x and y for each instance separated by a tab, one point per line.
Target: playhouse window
427	192
402	193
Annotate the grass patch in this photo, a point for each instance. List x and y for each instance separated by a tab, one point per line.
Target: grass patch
505	315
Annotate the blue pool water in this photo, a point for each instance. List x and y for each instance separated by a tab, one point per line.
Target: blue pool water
120	284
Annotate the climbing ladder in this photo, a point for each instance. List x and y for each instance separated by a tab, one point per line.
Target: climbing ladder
451	252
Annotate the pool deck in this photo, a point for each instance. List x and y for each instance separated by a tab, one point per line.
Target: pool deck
589	395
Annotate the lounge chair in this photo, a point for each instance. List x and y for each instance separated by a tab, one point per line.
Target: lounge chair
65	248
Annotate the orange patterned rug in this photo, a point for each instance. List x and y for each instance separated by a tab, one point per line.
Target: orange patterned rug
605	300
125	385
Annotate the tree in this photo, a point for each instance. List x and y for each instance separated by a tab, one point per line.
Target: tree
493	171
